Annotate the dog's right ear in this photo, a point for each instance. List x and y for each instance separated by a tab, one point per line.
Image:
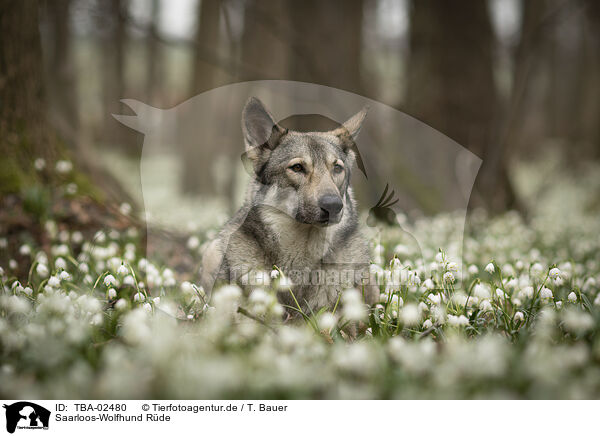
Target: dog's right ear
259	128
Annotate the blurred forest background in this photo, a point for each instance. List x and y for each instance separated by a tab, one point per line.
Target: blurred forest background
513	81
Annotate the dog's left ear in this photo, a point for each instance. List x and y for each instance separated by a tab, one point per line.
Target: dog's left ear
352	126
348	132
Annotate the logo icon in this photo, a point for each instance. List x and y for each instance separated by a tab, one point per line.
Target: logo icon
26	415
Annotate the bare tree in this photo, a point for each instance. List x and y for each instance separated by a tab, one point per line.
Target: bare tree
196	178
60	68
111	16
24	129
153	52
451	86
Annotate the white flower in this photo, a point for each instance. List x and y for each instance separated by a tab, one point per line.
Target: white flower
577	321
449	277
28	291
410	314
458	320
572	297
500	293
12	264
519	316
42	270
54	282
109	280
485	305
435	298
354	309
427	324
429	284
452	266
64	275
135	326
63	166
39	164
274	274
125	208
537	269
121	304
527	291
415	279
138	297
481	291
327	321
187	288
258	297
490	268
128	280
111	294
554	274
193	242
25	250
60	263
472	269
77	237
545	293
71	189
122	270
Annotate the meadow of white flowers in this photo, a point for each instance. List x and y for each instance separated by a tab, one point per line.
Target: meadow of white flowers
516	317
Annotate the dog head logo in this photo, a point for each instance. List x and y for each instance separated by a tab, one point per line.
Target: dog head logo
26	415
427	171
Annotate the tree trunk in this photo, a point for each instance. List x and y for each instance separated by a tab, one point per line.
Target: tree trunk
153	54
60	81
111	19
327	39
204	77
451	85
23	127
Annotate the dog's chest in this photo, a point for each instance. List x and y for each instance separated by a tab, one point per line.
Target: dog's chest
300	246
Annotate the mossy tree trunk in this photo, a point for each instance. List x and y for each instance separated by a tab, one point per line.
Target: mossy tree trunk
24	132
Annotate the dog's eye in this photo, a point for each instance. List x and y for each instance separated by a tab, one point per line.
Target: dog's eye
297	168
338	168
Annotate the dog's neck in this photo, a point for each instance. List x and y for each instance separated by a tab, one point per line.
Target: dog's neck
294	237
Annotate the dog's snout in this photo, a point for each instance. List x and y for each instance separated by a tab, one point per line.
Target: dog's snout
332	204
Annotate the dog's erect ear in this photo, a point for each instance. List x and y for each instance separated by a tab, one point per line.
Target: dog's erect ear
348	132
259	127
351	127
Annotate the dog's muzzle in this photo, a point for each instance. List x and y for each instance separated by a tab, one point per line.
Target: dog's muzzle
331	208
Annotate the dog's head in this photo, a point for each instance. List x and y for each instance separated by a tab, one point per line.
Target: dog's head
303	174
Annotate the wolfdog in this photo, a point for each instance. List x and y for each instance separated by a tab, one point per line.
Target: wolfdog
299	214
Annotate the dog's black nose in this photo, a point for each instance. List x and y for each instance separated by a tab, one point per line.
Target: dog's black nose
332	204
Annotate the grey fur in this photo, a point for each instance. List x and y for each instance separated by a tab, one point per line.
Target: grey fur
282	221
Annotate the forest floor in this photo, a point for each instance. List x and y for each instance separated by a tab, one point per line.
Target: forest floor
87	312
